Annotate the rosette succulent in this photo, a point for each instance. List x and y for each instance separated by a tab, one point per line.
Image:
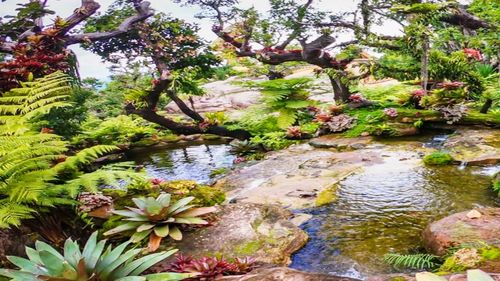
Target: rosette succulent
45	263
158	218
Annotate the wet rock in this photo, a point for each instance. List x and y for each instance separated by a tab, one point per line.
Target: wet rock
294	177
408	277
337	142
459	229
477	147
284	274
262	232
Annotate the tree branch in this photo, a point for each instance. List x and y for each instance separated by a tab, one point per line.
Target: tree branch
143	12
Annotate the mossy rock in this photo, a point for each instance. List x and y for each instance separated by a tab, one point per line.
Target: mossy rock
210	137
171	138
144	143
326	196
438	158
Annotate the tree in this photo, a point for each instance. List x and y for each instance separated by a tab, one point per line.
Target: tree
269	38
44	50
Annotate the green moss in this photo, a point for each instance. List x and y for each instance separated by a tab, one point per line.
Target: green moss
451	265
171	138
144	143
207	195
210	137
217	172
490	253
438	158
397	278
249	248
496	184
326	196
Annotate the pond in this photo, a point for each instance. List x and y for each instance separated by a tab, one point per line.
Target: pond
380	210
184	162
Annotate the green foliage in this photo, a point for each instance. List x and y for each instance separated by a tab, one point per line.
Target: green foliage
158	218
287	97
438	158
33	99
496	184
34	174
67	121
122	129
219	117
91	263
367	121
272	141
257	120
176	39
389	95
414	261
398	66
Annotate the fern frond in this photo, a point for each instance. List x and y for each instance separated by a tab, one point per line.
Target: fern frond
414	261
85	157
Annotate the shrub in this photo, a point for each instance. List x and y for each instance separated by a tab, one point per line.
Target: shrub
438	158
272	141
93	263
122	129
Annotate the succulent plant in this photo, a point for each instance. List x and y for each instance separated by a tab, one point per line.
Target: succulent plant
92	264
90	201
294	132
209	268
242	147
391	112
339	123
158	218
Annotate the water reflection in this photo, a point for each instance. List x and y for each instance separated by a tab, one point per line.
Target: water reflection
193	162
384	209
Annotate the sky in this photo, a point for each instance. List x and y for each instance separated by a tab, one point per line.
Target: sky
92	66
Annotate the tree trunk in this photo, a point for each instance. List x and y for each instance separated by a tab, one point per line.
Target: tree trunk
424	68
486	106
341	91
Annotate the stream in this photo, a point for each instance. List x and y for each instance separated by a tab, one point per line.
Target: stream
380	210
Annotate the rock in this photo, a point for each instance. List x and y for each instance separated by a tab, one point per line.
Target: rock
262	232
337	142
476	147
458	229
284	274
293	177
299	219
474	214
407	277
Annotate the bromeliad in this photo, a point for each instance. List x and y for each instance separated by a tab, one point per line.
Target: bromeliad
158	218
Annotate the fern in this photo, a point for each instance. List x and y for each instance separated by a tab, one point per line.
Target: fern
31	100
285	96
30	179
414	261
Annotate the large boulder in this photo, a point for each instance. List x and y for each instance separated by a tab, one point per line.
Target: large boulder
476	147
284	274
262	232
465	227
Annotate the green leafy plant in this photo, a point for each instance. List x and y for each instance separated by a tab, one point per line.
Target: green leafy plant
287	97
158	218
35	173
272	141
414	261
93	263
122	129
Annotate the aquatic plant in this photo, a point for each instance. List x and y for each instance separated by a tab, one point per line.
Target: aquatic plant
438	158
413	261
158	218
93	263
